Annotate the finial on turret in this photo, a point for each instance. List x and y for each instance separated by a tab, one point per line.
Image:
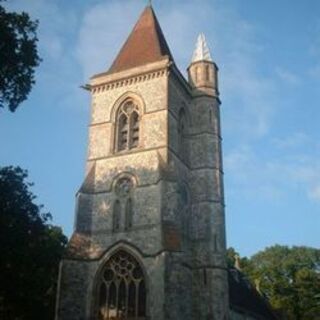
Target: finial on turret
150	3
201	52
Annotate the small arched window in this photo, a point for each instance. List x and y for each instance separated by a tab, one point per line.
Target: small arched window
122	289
128	126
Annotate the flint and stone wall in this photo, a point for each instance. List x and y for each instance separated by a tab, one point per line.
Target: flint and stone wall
178	223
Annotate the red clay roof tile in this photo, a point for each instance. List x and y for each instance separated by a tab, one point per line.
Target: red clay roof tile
145	44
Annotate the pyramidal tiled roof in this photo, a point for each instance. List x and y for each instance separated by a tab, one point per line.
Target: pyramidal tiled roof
145	44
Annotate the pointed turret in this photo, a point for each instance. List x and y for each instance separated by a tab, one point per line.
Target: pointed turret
201	52
145	44
203	72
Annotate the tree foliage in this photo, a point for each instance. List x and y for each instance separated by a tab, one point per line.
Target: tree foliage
30	251
290	278
18	57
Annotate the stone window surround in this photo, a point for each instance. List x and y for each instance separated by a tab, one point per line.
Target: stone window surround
136	254
128	123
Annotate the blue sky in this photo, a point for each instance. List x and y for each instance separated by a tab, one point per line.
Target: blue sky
268	53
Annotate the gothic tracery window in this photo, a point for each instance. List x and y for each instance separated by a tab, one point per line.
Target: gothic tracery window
128	126
122	289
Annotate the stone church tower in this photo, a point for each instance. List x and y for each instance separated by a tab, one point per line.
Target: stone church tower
149	236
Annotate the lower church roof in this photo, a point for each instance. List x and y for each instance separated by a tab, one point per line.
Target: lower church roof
244	297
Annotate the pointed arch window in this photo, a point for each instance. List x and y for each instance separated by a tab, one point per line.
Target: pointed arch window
122	289
128	126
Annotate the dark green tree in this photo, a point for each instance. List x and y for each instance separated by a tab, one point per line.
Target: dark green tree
30	250
290	278
18	57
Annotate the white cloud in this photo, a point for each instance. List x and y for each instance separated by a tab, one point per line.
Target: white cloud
297	139
104	29
235	47
58	77
54	25
287	76
314	193
233	40
315	70
281	177
314	51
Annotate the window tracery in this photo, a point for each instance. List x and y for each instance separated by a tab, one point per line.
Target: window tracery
123	187
122	289
128	126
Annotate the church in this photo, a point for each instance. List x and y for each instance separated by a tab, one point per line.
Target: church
149	238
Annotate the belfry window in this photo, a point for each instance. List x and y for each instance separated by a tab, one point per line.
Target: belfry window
128	126
122	289
123	132
135	129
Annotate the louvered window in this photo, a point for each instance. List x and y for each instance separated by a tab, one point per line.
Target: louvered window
128	126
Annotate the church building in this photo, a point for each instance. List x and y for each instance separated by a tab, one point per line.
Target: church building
149	239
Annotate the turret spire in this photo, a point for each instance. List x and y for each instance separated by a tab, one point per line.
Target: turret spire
203	72
201	52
